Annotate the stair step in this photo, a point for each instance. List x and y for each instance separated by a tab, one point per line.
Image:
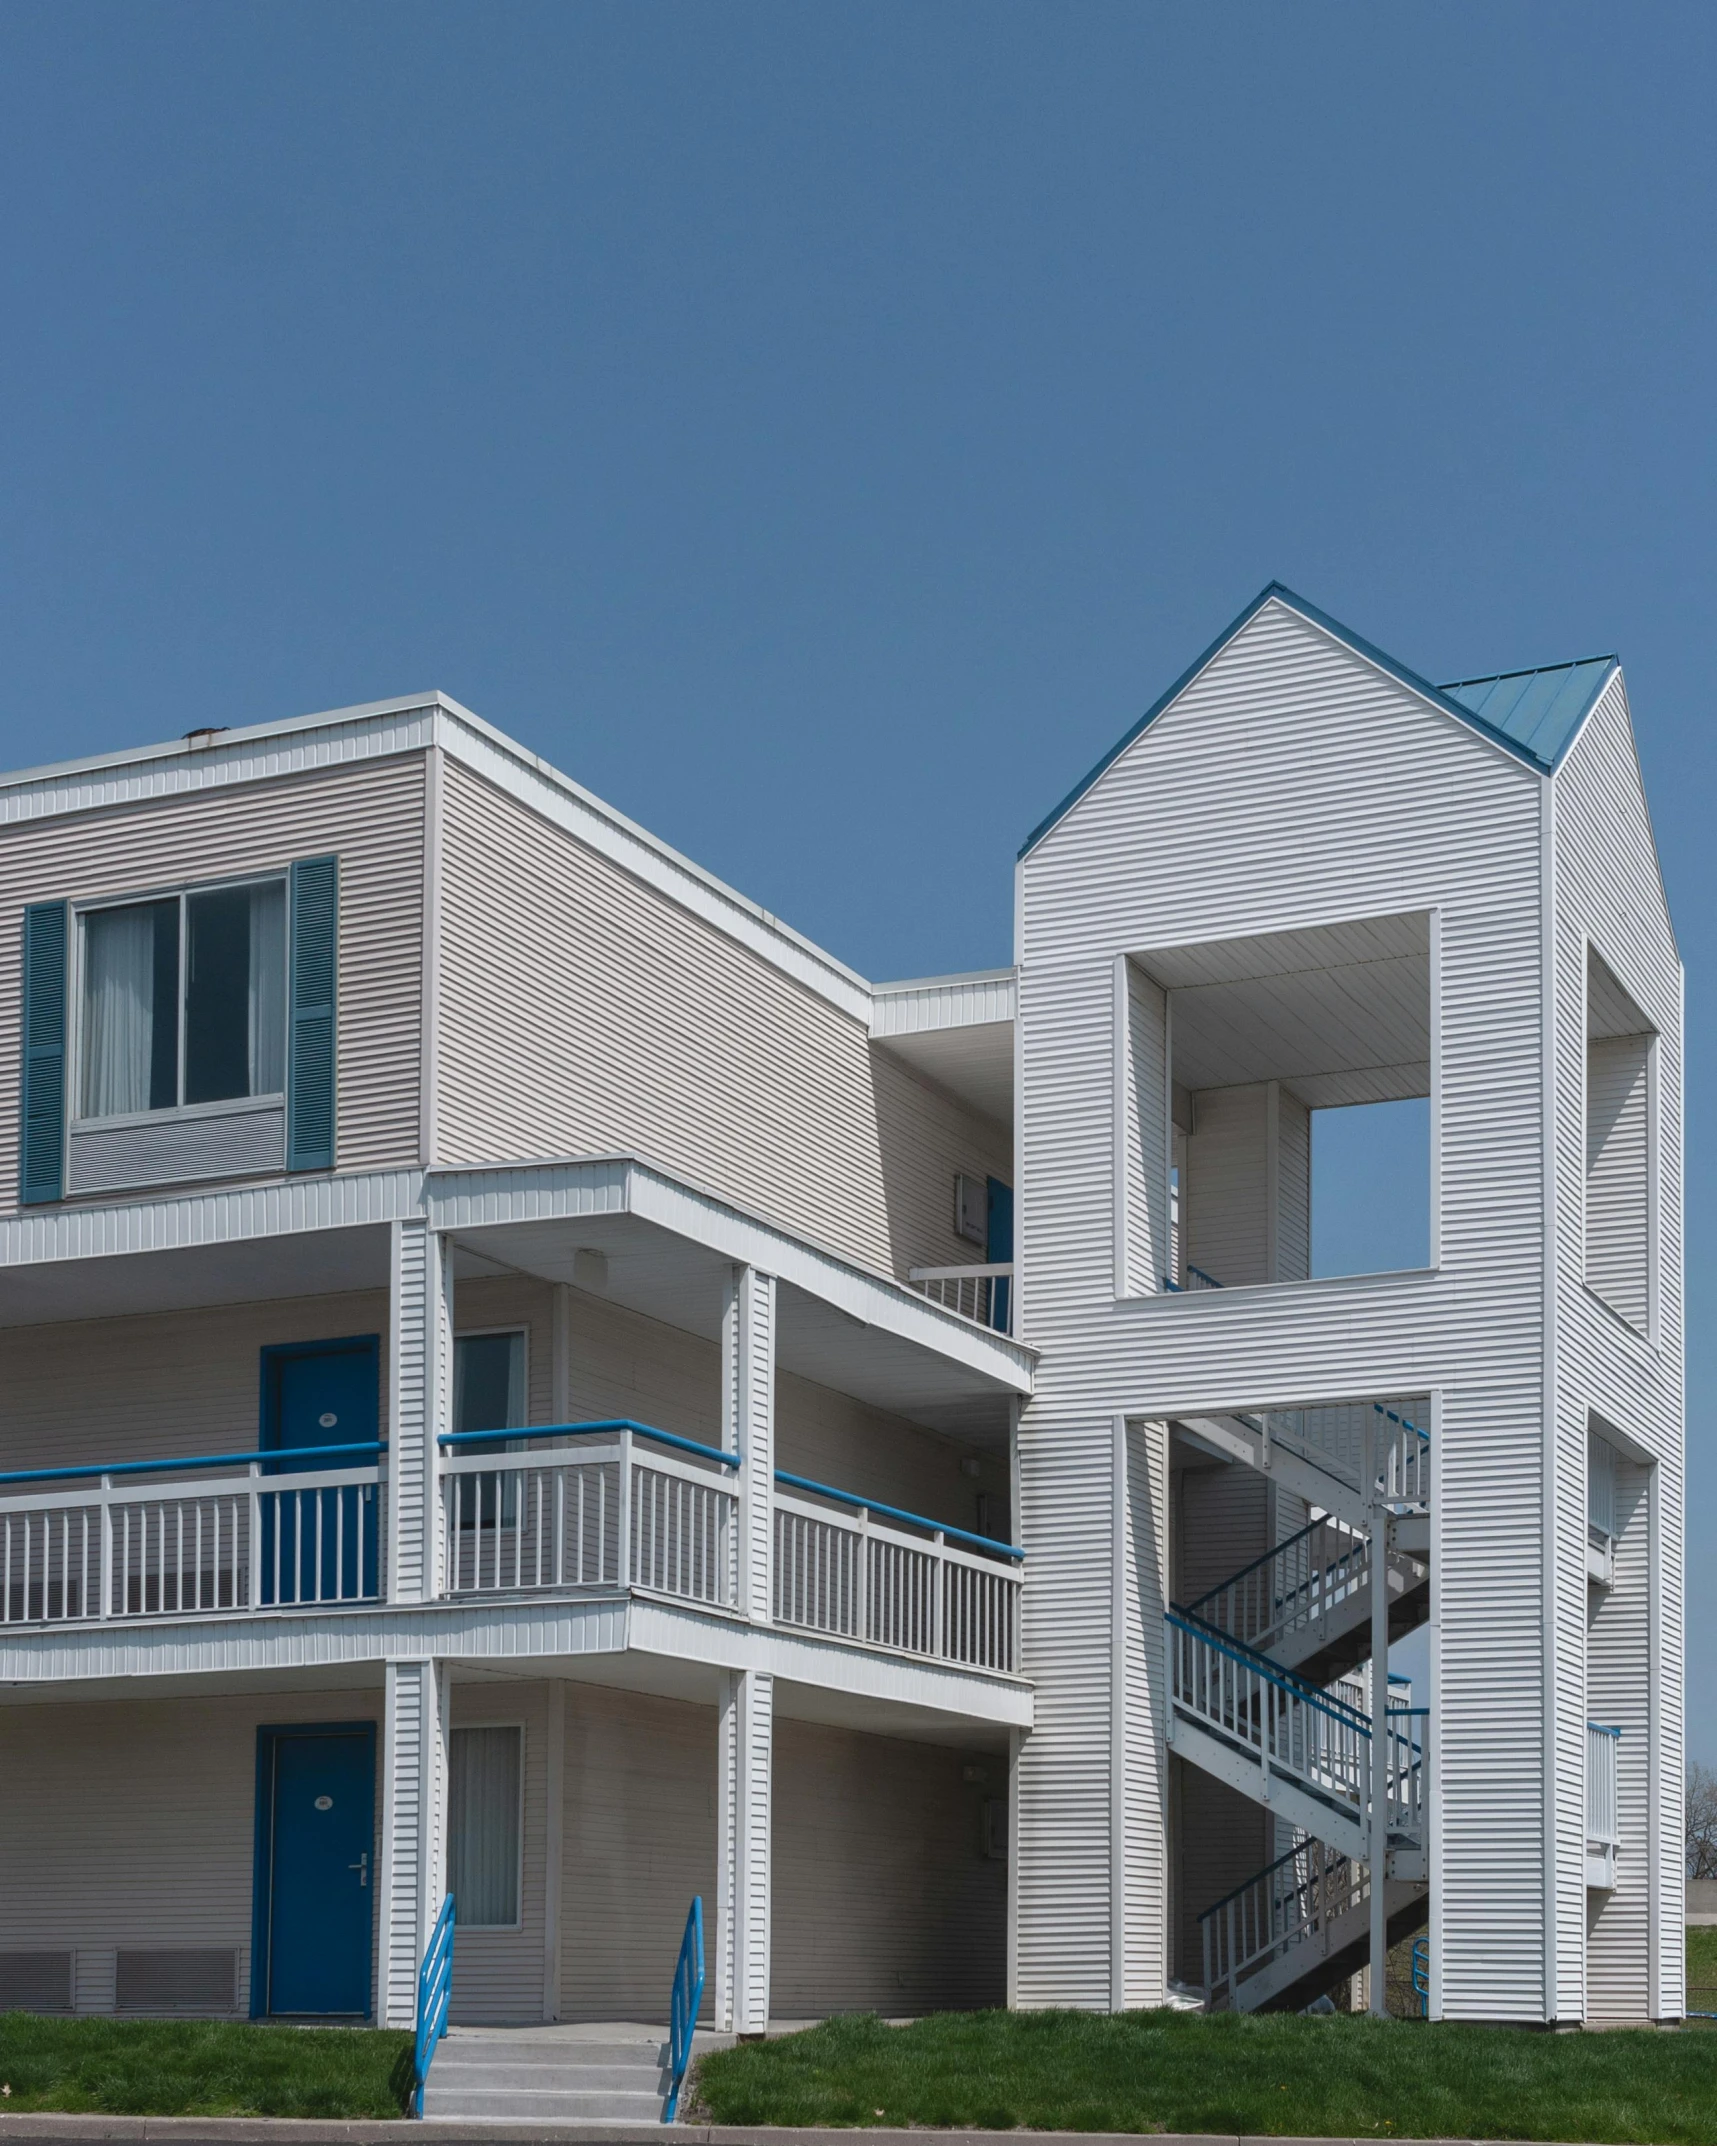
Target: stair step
504	2076
553	2056
521	2105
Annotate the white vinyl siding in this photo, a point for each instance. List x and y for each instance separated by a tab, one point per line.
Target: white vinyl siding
371	816
1292	784
1610	899
498	1972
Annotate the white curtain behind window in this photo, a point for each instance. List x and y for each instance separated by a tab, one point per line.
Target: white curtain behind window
268	989
483	1825
118	1010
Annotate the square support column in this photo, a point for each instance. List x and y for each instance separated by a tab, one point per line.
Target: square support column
420	1379
413	1864
748	1425
745	1741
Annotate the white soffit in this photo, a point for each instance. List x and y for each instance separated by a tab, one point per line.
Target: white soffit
1339	1012
189	1277
955	1030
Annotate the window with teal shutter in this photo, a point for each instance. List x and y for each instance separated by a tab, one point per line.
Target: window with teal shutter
43	1129
315	928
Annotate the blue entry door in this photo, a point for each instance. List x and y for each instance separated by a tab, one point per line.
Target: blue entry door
317	1865
319	1545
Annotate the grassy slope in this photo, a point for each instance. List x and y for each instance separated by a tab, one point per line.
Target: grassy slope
199	2068
1333	2076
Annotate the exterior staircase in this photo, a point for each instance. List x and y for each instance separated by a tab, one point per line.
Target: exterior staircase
1252	1663
550	2075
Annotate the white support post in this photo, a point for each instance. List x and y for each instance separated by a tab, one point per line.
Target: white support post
748	1429
745	1740
420	1378
412	1872
1379	1737
554	1843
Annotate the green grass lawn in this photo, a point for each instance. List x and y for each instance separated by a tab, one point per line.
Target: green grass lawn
141	2067
1702	1969
1334	2076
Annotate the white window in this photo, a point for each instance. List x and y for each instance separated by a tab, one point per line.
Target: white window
484	1837
182	1001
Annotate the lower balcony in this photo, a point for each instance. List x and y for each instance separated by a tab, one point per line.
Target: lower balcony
571	1510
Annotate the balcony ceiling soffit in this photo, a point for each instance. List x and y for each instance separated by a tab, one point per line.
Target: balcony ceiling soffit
1341	1013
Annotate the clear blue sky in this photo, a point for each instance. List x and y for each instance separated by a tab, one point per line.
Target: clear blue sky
822	429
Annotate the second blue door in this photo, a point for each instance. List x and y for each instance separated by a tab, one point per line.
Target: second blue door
319	1545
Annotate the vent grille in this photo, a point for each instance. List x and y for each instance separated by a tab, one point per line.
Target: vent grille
177	1981
35	1981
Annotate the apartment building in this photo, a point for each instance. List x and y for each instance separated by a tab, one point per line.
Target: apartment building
525	1379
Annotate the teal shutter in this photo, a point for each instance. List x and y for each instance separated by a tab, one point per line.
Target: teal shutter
42	1143
312	963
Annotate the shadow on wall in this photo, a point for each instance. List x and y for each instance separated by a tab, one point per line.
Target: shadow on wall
925	1140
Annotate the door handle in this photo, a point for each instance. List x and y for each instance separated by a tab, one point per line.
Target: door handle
362	1867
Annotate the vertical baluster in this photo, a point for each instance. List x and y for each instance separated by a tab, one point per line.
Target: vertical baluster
624	1514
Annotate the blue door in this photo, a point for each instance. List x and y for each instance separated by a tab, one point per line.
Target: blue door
315	1870
999	1251
319	1545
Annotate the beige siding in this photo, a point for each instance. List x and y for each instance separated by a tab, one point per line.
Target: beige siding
371	816
884	1900
498	1974
639	1843
153	1387
133	1825
1617	1173
582	1012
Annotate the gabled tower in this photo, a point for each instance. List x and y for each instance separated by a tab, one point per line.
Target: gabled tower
1309	878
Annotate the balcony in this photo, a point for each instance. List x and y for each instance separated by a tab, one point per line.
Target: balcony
638	1509
587	1509
982	1294
102	1545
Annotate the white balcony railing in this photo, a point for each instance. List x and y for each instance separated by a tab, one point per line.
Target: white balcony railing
853	1575
98	1545
982	1294
1603	1825
611	1513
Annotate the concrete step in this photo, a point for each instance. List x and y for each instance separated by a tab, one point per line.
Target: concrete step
505	2074
500	2049
516	2105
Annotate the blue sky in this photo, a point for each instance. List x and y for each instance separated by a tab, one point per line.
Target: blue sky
822	430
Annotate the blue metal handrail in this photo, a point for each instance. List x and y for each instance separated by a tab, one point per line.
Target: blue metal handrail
1257	1878
1422	1975
434	1990
1180	1289
1357	1543
1424	1437
893	1512
590	1430
372	1449
1249	1658
684	2005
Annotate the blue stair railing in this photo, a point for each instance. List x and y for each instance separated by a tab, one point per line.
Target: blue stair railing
434	1990
1422	1975
683	2006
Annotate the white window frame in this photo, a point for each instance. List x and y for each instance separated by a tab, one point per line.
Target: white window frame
518	1921
172	1113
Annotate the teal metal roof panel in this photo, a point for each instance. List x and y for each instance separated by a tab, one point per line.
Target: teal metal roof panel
1539	709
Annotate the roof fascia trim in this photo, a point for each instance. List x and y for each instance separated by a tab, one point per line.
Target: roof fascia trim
1278	592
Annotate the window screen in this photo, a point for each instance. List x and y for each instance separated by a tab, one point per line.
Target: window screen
485	1771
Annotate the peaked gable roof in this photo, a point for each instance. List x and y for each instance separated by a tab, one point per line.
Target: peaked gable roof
1532	715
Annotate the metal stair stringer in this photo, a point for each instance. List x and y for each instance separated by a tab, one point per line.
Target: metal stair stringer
1279	1793
1299	1927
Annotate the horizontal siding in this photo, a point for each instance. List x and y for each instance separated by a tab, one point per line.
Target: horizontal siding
883	1898
1618	1695
1617	1171
157	1386
582	1012
498	1974
1610	900
133	1825
1292	784
371	816
640	1832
